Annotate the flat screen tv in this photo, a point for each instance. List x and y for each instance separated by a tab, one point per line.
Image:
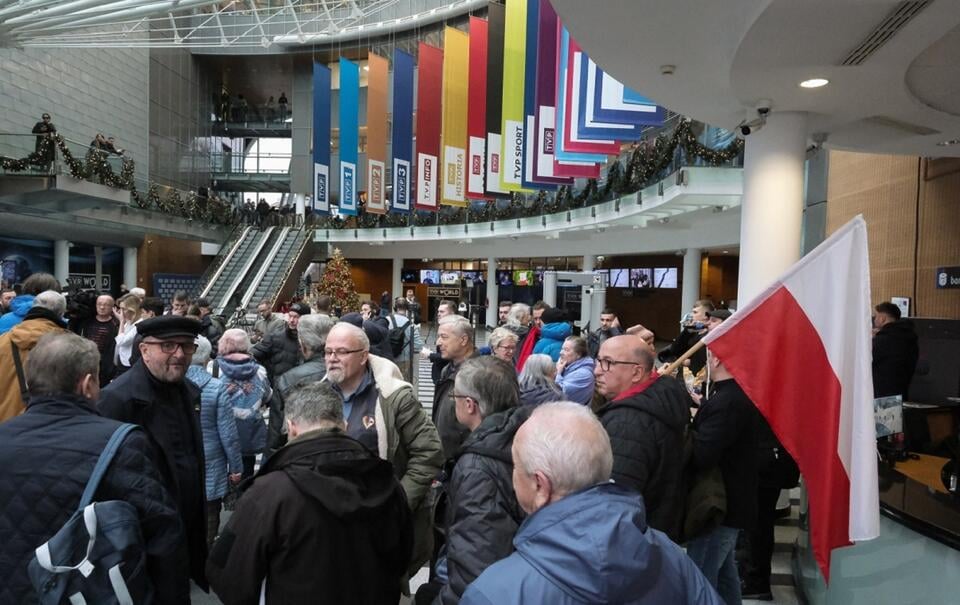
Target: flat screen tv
523	278
504	277
619	278
476	276
641	278
409	276
431	277
450	278
665	277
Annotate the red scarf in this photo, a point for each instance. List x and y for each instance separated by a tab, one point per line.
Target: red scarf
528	343
638	388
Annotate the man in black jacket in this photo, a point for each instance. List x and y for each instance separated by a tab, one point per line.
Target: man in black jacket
895	352
323	521
482	511
645	415
280	350
154	394
51	450
690	334
455	342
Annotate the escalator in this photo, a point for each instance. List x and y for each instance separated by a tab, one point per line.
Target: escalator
280	267
225	288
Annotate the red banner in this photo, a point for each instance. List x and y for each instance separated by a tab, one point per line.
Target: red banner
429	116
477	109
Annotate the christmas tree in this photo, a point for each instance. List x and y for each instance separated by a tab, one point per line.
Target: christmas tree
337	283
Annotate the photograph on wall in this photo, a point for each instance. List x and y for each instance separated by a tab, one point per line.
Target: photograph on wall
641	278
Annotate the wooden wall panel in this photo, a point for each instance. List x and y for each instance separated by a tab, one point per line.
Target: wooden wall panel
939	245
657	309
718	277
371	277
159	254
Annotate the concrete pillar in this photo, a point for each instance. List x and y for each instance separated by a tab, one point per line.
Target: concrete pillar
61	260
299	200
586	300
98	267
130	267
493	292
396	284
771	214
691	279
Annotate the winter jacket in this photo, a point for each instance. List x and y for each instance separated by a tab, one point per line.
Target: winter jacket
19	307
551	340
212	327
622	560
24	335
596	338
533	394
681	344
248	392
407	439
324	521
577	381
55	444
646	433
452	433
136	397
221	444
895	354
482	513
278	351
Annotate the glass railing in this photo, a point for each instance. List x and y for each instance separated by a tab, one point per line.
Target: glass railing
234	162
32	154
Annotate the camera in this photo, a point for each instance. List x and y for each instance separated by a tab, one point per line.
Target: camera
588	290
748	127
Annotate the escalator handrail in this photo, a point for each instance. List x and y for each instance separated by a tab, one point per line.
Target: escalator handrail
223	265
243	272
271	257
267	285
307	235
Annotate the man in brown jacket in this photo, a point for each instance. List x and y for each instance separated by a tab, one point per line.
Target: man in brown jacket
43	317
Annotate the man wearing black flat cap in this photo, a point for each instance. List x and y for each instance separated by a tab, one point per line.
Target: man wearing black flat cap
154	394
279	350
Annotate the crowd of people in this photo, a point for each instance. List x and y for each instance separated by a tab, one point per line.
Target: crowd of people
552	467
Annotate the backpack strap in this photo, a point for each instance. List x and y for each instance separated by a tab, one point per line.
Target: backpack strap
21	378
106	456
216	369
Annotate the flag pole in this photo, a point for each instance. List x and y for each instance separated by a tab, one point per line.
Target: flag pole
670	369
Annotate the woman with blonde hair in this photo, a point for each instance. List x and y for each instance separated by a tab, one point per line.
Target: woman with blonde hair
503	344
128	314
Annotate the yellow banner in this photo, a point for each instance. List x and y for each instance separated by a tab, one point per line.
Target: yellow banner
377	77
514	65
456	76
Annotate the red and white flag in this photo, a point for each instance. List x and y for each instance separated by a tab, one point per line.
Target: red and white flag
801	351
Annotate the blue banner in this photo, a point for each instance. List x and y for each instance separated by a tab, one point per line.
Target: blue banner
403	65
614	102
349	132
561	152
321	138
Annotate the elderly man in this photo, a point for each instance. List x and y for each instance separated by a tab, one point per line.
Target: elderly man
267	321
102	329
561	471
55	445
322	510
383	413
15	346
455	341
646	416
446	308
154	394
482	512
279	350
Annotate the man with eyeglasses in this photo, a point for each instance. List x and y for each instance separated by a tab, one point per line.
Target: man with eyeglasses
154	394
645	415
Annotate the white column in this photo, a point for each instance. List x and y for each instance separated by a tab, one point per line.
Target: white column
396	285
586	300
130	267
61	260
691	279
493	292
299	200
98	267
772	210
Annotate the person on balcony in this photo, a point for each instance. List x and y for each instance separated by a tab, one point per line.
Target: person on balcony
44	129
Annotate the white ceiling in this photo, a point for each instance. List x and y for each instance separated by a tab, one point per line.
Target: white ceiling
904	98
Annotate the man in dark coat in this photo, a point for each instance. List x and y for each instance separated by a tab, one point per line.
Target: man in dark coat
324	521
482	513
895	352
455	341
279	350
51	450
102	329
44	129
609	327
154	394
646	416
690	334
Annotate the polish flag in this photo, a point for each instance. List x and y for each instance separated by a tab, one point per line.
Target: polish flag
801	351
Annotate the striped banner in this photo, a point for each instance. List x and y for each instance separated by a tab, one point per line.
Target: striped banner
563	84
545	126
349	132
456	67
429	84
576	98
321	138
377	76
477	109
514	63
403	65
530	98
495	24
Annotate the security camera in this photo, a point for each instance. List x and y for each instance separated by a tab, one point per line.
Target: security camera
601	258
747	127
588	290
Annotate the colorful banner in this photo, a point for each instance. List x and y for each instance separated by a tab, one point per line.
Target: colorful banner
563	84
377	76
321	138
576	98
514	74
477	109
456	67
545	97
530	96
349	133
495	25
591	128
614	102
403	65
429	83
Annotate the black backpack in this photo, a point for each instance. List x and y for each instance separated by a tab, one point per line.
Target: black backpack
397	336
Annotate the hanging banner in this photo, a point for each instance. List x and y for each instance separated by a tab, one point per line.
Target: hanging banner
456	67
563	85
576	98
349	132
588	126
402	129
321	138
614	102
377	76
495	25
429	83
514	73
477	109
530	94
545	97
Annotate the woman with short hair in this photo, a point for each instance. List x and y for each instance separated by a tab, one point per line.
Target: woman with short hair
537	381
503	344
575	371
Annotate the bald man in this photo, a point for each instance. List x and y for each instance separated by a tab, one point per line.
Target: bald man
102	329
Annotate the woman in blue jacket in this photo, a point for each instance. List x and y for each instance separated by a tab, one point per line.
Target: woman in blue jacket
554	330
575	371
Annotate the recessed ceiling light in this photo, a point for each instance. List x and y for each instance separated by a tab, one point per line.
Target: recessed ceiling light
726	252
949	143
814	83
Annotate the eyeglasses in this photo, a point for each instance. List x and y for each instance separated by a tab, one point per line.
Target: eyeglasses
168	347
606	362
340	352
506	347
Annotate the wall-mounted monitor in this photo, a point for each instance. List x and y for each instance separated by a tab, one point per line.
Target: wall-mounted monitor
431	277
450	278
504	277
641	278
665	277
409	276
524	278
619	278
476	276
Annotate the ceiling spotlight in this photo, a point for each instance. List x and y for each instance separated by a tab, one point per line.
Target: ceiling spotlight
726	252
949	143
814	83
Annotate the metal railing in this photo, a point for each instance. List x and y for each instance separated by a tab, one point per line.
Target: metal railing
41	155
237	162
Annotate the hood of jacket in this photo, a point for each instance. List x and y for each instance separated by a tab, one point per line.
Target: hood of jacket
618	563
335	471
387	375
587	362
496	432
238	369
36	323
666	400
21	304
556	331
537	393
